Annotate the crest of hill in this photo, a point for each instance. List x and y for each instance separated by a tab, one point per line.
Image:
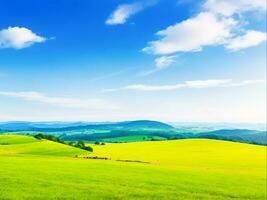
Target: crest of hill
11	126
145	124
28	145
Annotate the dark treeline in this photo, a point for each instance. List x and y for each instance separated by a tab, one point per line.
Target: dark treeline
118	133
78	144
238	135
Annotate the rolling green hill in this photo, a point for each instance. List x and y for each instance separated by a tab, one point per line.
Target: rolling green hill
25	145
169	170
14	139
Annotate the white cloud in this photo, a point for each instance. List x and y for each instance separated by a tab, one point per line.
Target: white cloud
218	23
192	34
164	61
123	12
60	101
230	7
161	63
206	83
18	38
188	84
249	39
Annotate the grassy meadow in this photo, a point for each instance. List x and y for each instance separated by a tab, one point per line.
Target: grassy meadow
178	169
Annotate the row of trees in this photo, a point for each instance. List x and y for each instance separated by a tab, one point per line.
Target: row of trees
78	144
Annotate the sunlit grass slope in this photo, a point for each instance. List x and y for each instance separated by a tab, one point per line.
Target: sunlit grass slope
179	170
15	139
19	145
191	153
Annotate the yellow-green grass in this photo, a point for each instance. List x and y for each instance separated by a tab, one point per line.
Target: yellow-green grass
19	145
15	139
184	169
203	154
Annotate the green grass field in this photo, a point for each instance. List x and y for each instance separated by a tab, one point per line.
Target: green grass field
133	138
182	169
25	145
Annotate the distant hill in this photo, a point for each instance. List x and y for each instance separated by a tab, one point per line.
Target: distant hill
237	135
15	126
218	126
231	132
144	124
63	126
27	126
141	130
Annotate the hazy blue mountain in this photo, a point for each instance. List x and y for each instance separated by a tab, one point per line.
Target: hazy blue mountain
145	124
65	126
217	126
237	135
15	126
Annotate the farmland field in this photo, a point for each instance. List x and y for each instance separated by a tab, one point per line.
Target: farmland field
178	169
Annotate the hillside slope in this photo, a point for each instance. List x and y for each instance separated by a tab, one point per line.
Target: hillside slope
27	145
176	170
199	153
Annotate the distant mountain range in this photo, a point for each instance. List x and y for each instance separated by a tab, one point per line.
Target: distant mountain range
237	135
251	126
65	126
131	130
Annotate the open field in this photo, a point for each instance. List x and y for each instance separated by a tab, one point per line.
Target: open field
183	169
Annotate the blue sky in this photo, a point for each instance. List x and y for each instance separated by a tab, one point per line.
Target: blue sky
168	60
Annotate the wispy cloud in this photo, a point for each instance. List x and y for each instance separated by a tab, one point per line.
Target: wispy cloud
18	38
160	63
125	11
164	61
60	101
220	17
188	84
122	13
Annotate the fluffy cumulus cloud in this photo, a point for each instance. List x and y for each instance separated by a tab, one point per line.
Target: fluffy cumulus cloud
189	84
18	38
249	39
190	35
60	101
218	23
